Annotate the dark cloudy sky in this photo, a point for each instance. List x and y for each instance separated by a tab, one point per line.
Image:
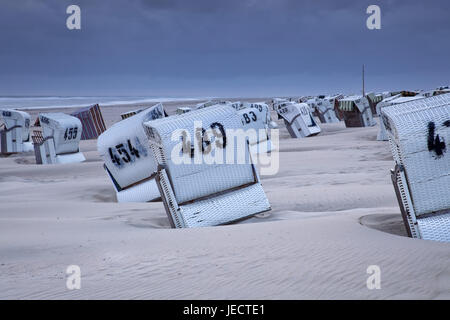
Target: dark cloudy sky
221	47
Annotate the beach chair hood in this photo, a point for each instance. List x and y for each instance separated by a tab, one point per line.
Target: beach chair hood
125	151
13	118
66	131
419	133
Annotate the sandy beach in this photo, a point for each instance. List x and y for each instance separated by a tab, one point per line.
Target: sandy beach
334	213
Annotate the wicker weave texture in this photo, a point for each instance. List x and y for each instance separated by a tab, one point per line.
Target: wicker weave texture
423	152
435	227
226	208
194	180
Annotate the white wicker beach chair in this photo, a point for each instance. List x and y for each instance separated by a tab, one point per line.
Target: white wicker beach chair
198	193
255	118
326	111
61	136
277	101
419	134
298	119
391	101
15	136
128	159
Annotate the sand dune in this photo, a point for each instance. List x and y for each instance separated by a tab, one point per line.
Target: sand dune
334	213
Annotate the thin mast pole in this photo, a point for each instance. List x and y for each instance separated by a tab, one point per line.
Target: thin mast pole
363	82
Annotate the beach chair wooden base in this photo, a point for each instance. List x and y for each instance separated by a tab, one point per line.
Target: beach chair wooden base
223	208
44	151
435	226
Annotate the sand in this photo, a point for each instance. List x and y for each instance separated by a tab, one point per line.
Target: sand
334	213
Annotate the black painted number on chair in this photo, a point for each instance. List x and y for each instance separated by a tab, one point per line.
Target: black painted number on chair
435	143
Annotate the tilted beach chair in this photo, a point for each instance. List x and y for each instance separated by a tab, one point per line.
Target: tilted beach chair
419	134
59	143
92	121
390	101
182	110
298	119
128	158
131	113
15	136
255	118
357	112
277	101
373	100
198	192
325	111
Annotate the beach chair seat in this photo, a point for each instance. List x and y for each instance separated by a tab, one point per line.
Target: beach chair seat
298	119
15	134
59	140
419	135
197	192
128	159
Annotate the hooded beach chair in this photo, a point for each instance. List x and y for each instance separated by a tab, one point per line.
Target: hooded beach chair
419	134
128	159
357	112
182	110
15	136
59	139
197	192
255	118
373	100
298	119
391	101
206	104
92	121
326	111
277	101
131	113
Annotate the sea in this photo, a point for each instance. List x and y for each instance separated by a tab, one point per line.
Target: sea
42	102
